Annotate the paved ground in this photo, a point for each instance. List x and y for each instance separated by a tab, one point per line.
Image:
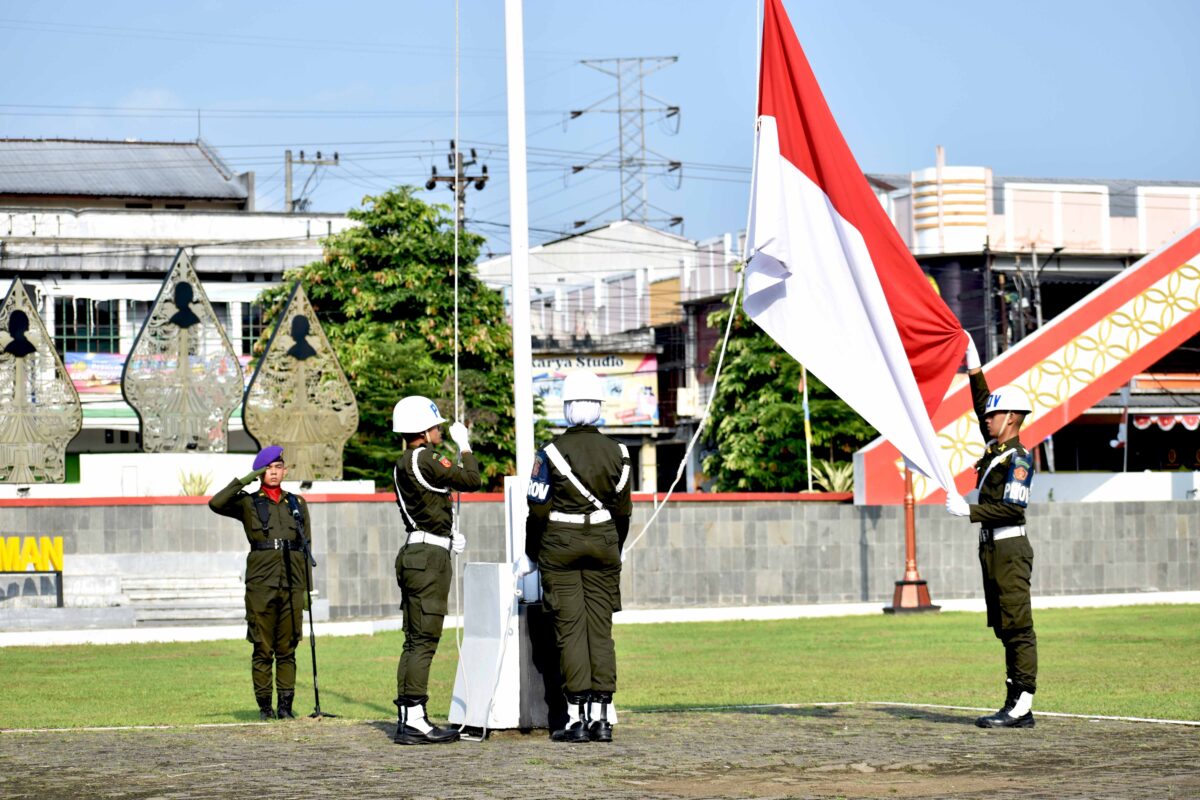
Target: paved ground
821	752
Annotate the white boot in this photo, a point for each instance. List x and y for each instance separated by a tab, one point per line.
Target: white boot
1023	706
414	717
609	715
1018	715
576	729
413	727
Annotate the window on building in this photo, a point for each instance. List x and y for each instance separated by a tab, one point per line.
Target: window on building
252	326
86	326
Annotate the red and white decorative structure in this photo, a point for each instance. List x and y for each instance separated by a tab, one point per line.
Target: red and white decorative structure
1085	354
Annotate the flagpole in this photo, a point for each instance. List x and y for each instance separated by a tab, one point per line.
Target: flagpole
518	211
807	426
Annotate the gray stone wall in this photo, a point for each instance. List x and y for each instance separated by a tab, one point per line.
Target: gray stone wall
697	553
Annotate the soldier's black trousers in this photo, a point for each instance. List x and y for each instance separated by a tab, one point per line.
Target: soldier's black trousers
581	585
423	572
275	623
1007	567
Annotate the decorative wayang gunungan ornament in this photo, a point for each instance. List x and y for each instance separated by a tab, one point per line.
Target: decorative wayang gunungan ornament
182	376
39	407
299	397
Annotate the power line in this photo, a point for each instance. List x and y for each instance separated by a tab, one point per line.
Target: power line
255	40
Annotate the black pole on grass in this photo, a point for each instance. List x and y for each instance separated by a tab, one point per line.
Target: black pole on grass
312	630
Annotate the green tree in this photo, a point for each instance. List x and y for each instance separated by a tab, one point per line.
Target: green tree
756	435
384	292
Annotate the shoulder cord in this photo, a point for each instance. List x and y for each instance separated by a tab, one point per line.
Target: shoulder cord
624	466
416	468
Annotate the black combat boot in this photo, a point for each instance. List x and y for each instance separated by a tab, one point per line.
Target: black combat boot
1017	711
600	728
413	725
265	711
285	705
577	720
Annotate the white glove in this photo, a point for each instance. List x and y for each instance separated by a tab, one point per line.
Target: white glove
523	566
973	361
956	505
458	543
462	439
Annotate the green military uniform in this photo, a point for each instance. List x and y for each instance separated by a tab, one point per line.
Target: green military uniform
277	580
1005	555
423	480
576	542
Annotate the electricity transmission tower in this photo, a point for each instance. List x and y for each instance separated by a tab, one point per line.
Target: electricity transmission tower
633	158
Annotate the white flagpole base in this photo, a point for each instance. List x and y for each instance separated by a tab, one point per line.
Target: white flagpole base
507	675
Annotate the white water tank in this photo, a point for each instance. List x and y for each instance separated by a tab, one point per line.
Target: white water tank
950	209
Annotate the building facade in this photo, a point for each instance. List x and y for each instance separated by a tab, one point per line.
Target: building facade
92	228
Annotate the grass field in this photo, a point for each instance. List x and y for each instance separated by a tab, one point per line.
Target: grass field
1137	661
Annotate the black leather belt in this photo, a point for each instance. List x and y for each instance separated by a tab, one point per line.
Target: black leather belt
277	544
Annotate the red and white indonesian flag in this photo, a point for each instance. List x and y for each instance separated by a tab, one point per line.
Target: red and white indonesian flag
829	277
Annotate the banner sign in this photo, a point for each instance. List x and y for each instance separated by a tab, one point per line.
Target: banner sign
630	385
100	373
95	373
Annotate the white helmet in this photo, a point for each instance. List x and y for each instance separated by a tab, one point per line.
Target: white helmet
1009	398
582	386
415	414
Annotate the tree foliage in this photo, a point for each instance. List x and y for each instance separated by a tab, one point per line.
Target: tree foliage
756	435
384	292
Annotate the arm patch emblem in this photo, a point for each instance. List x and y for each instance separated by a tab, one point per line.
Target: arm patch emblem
539	481
445	462
1020	476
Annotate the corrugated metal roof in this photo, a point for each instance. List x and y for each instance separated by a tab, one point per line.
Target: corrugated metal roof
115	169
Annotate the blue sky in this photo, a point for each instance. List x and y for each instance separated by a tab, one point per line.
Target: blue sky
1065	89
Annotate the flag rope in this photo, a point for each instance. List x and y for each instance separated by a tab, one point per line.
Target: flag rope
687	454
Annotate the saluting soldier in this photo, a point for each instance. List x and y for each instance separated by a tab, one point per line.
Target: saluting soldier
278	574
1004	475
579	509
423	479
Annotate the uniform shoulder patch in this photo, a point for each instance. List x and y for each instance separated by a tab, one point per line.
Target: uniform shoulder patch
539	481
445	462
1020	476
